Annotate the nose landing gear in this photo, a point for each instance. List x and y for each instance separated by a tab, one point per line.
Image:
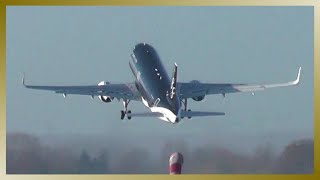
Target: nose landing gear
177	120
125	111
189	117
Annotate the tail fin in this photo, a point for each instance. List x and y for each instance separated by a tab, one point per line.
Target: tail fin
173	87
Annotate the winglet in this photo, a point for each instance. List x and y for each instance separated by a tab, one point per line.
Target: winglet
298	77
23	82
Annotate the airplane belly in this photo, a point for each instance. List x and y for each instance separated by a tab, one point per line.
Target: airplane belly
152	81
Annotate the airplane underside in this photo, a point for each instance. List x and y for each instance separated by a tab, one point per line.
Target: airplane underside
165	114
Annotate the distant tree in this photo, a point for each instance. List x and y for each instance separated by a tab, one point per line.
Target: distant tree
25	154
263	160
226	161
85	164
61	160
297	158
135	161
100	163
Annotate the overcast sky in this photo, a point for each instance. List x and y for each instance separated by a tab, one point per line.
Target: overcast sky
85	45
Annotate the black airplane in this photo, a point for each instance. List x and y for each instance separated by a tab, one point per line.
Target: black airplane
163	95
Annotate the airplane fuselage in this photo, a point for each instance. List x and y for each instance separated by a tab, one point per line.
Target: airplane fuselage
153	82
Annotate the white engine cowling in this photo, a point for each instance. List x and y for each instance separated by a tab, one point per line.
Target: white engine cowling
105	99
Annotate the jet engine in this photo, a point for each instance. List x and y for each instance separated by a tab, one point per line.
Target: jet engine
197	98
195	82
105	99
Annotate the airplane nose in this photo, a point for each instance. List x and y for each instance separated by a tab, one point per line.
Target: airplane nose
177	120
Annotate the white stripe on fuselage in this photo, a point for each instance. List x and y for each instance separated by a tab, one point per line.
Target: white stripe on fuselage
168	115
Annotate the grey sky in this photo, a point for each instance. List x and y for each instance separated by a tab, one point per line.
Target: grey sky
85	45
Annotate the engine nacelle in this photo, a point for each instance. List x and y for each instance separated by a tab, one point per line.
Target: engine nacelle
198	98
197	83
105	99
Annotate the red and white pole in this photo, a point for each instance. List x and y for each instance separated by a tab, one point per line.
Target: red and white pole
175	163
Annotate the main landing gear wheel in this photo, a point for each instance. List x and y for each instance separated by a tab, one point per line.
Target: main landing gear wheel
122	115
186	106
129	114
189	110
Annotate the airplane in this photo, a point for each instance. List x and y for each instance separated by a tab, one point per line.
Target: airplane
166	98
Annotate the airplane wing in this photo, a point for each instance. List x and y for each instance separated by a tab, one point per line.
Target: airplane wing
197	89
119	91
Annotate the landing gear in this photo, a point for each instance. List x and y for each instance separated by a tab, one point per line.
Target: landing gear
185	103
129	114
122	115
125	111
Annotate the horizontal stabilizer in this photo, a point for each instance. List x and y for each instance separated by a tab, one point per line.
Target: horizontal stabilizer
146	114
200	113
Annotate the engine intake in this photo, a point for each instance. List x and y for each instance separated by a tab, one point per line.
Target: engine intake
105	99
197	83
198	98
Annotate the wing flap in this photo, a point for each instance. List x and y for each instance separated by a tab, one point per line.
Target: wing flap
120	91
189	90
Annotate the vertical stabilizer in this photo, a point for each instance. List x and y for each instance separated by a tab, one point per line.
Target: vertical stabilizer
173	87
